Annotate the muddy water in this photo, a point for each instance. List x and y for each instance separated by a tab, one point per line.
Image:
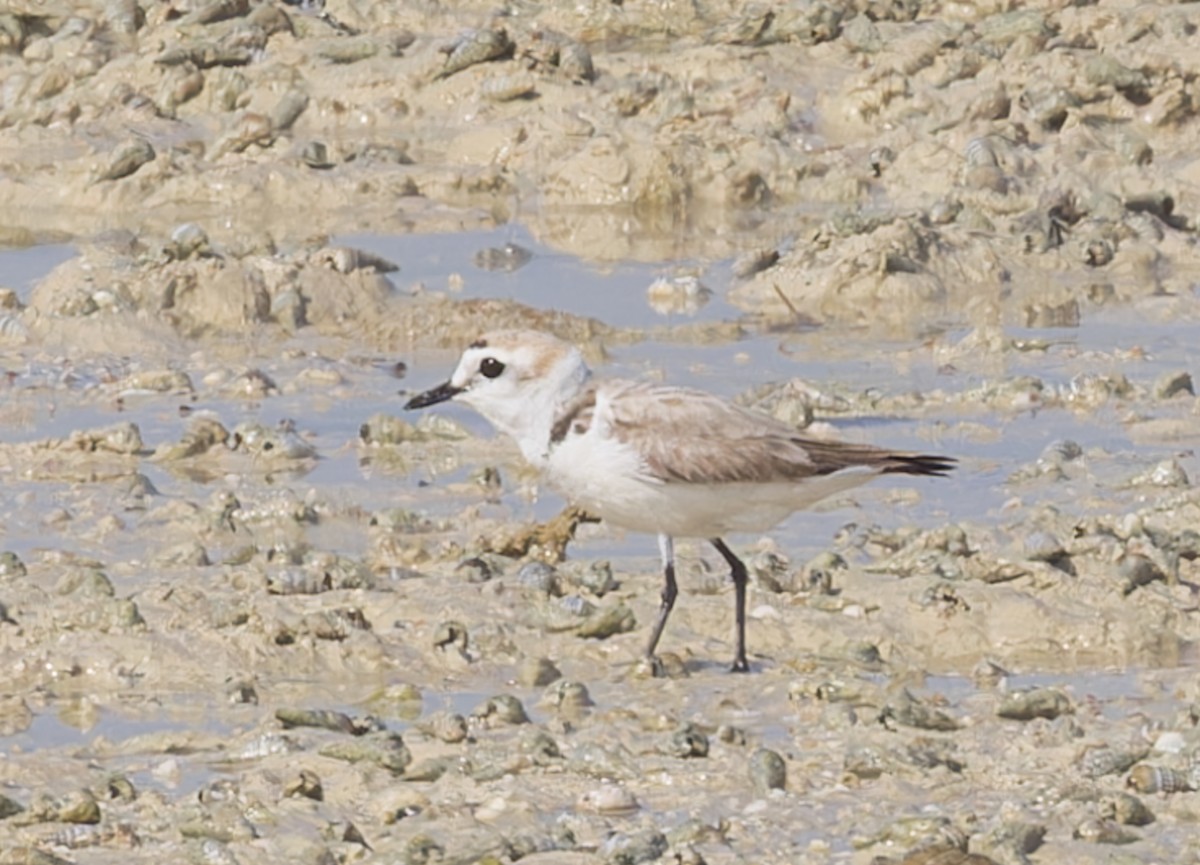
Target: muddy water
254	612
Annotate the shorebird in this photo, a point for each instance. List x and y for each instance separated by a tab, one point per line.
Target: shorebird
672	461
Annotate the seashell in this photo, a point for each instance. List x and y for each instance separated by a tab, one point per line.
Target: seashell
422	849
335	624
181	84
539	577
755	261
123	16
248	129
1042	546
345	259
1103	832
326	719
1136	570
306	784
475	569
266	745
1125	808
813	23
344	50
567	696
537	672
929	753
597	578
212	11
607	621
682	295
506	88
213	852
1145	778
386	750
1168	473
981	152
540	747
242	691
1173	384
270	18
506	259
126	159
12	328
80	807
1097	251
1100	760
449	727
206	55
648	845
1105	70
910	711
474	46
75	837
608	799
501	709
575	62
865	761
688	741
288	110
187	239
767	771
1047	703
942	854
315	154
929	833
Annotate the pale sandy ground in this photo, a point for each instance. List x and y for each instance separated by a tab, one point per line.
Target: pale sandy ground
960	227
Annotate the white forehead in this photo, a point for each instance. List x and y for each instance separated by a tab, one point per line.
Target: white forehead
533	353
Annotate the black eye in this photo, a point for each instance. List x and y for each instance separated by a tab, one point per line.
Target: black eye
490	367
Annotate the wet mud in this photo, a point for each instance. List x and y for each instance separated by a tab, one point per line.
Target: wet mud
252	611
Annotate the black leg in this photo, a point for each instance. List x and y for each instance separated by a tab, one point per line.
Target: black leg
737	570
669	592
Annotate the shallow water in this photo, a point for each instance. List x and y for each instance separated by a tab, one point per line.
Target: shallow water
991	444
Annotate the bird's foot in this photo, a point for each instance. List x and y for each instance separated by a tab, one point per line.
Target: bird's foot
651	667
668	665
740	665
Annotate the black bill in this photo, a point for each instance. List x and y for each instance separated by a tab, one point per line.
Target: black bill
441	393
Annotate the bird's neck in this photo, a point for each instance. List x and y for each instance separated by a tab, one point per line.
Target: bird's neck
534	428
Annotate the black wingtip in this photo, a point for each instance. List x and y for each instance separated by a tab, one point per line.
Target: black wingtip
928	465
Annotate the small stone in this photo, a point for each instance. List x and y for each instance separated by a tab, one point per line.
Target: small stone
539	577
501	709
617	619
567	697
647	845
597	578
608	798
537	672
1136	571
1174	383
767	771
688	741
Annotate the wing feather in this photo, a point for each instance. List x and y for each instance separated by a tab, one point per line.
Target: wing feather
690	436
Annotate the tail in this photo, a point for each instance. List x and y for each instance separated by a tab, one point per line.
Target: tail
919	464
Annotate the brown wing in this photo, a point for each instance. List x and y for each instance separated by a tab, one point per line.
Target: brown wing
694	437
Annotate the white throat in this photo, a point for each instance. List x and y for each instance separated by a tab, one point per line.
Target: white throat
530	419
